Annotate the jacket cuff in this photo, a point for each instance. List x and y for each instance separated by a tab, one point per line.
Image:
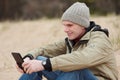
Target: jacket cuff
28	55
48	66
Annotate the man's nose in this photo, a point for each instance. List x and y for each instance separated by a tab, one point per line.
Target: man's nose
66	29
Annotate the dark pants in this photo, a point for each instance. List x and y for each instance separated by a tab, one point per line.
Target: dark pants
84	74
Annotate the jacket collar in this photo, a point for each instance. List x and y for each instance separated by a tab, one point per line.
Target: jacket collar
88	31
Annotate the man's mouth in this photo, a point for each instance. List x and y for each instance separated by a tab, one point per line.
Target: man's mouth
69	34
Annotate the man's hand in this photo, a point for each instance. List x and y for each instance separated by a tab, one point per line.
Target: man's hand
31	66
18	68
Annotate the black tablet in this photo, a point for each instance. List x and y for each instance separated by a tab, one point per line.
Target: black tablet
18	58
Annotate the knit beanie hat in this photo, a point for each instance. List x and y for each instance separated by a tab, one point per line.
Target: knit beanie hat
77	13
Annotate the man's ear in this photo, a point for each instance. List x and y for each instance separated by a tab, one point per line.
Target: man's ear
83	28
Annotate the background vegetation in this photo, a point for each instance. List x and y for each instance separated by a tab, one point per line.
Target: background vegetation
33	9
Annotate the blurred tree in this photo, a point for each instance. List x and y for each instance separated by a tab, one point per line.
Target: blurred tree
1	8
32	9
43	8
101	7
117	6
10	9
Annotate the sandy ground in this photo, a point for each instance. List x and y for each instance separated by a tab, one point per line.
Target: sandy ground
24	36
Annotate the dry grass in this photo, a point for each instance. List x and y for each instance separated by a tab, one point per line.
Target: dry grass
23	36
112	23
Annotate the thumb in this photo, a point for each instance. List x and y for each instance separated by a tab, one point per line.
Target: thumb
19	69
26	59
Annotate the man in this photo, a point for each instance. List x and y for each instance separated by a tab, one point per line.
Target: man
86	54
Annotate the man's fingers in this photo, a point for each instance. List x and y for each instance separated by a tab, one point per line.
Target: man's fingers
19	69
32	66
26	67
25	63
29	70
26	59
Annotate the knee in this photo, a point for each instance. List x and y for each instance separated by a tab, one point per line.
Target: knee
85	71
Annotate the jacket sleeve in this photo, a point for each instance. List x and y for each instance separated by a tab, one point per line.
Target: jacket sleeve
50	50
97	52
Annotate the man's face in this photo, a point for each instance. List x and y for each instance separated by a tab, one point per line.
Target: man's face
74	31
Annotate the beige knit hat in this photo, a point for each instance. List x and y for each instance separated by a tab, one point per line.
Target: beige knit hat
77	13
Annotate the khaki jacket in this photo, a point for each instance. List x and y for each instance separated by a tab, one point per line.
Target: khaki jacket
96	55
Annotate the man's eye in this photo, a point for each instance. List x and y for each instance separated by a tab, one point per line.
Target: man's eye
69	25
